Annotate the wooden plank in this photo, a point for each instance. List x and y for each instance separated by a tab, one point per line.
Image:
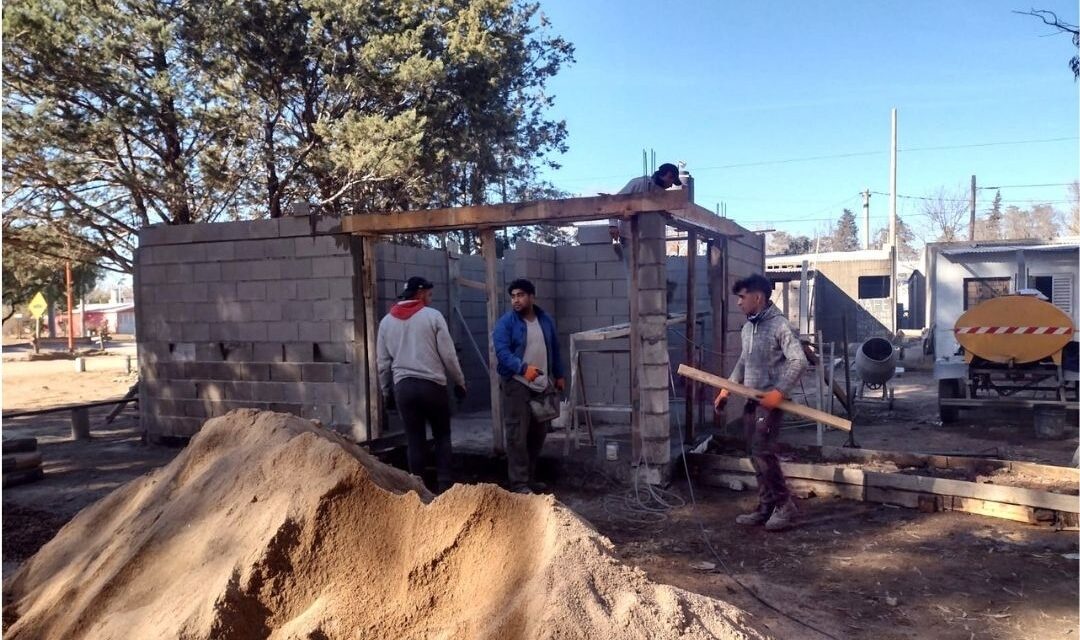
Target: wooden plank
747	392
491	274
696	217
963	489
635	341
690	328
19	445
17	461
1014	512
516	214
369	289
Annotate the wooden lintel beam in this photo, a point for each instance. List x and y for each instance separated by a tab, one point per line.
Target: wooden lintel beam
754	394
515	214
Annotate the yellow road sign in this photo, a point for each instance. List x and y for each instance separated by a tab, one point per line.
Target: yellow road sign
38	305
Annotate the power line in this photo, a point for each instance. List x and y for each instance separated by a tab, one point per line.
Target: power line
1025	186
965	200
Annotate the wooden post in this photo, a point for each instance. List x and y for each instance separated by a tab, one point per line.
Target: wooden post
80	423
491	275
453	290
370	291
691	325
70	309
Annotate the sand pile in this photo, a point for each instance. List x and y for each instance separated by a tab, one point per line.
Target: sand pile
268	526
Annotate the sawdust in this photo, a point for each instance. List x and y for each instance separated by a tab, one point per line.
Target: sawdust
268	527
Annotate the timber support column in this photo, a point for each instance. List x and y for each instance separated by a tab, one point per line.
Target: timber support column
649	348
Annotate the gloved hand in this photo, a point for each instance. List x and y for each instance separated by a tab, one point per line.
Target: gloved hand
460	391
772	399
560	384
720	400
532	373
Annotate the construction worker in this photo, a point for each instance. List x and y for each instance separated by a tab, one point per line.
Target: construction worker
772	360
415	357
664	178
527	347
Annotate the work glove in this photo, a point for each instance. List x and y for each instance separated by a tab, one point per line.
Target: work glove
772	399
532	373
460	391
560	384
720	400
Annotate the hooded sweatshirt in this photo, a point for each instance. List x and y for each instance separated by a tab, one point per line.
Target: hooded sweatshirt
414	342
772	357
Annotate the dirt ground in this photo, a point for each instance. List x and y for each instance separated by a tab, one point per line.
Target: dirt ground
853	570
47	383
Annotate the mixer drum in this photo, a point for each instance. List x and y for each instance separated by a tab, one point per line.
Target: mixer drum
1016	329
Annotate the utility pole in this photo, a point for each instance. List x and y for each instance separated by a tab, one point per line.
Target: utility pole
866	218
971	224
70	309
892	223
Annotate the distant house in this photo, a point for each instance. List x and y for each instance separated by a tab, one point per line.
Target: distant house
851	285
117	317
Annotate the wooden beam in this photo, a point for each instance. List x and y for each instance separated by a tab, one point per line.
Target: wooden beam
696	217
754	394
691	326
487	246
370	291
515	214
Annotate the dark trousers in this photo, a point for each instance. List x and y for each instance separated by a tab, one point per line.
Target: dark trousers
762	429
524	435
420	403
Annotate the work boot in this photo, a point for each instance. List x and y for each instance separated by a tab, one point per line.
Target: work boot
755	517
783	517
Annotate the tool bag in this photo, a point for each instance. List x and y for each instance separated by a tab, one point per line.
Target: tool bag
544	405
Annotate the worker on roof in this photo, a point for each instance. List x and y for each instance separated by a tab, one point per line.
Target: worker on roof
664	178
416	355
772	360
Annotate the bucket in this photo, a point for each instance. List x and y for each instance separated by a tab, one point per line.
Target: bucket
1049	423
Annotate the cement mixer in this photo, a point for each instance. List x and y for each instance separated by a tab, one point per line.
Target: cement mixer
875	365
1017	351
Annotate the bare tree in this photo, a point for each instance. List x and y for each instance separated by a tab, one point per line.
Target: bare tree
946	213
1050	18
1073	224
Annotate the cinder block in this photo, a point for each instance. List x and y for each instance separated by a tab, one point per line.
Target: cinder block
210	390
251	290
195	331
343	372
652	277
652	302
331	267
206	272
331	352
612	306
268	352
317	372
342	415
284	290
580	271
320	246
216	291
314	289
240	230
651	251
321	412
296	268
285	372
581	307
194	292
314	331
596	288
654	353
329	309
220	251
391	271
237	351
285	331
300	352
267	311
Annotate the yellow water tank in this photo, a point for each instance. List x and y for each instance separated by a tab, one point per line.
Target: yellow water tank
1014	329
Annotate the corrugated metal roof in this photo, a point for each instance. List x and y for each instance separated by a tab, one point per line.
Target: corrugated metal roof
1009	248
830	256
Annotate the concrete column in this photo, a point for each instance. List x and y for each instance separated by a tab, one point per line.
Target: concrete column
652	366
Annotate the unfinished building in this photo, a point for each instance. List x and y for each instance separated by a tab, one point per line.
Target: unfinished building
282	314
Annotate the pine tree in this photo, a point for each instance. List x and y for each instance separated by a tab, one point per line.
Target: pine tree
845	236
994	218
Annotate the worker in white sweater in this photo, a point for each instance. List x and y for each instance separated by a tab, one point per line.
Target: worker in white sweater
416	357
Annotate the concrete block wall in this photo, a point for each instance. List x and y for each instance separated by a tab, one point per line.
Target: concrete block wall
254	314
653	369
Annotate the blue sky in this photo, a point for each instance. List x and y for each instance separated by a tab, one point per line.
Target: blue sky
722	83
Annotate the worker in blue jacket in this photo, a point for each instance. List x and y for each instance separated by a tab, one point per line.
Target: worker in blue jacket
527	347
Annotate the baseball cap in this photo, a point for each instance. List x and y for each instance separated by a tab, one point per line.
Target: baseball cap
667	167
415	283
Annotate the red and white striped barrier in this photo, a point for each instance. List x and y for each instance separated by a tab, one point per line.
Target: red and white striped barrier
1042	331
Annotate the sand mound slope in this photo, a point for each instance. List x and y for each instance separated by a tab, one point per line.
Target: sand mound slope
267	526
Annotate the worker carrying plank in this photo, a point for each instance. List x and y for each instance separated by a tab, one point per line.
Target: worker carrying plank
772	360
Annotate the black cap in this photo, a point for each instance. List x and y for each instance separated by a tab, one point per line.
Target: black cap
415	283
667	167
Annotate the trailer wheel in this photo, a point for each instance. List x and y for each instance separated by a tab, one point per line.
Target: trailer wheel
949	388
